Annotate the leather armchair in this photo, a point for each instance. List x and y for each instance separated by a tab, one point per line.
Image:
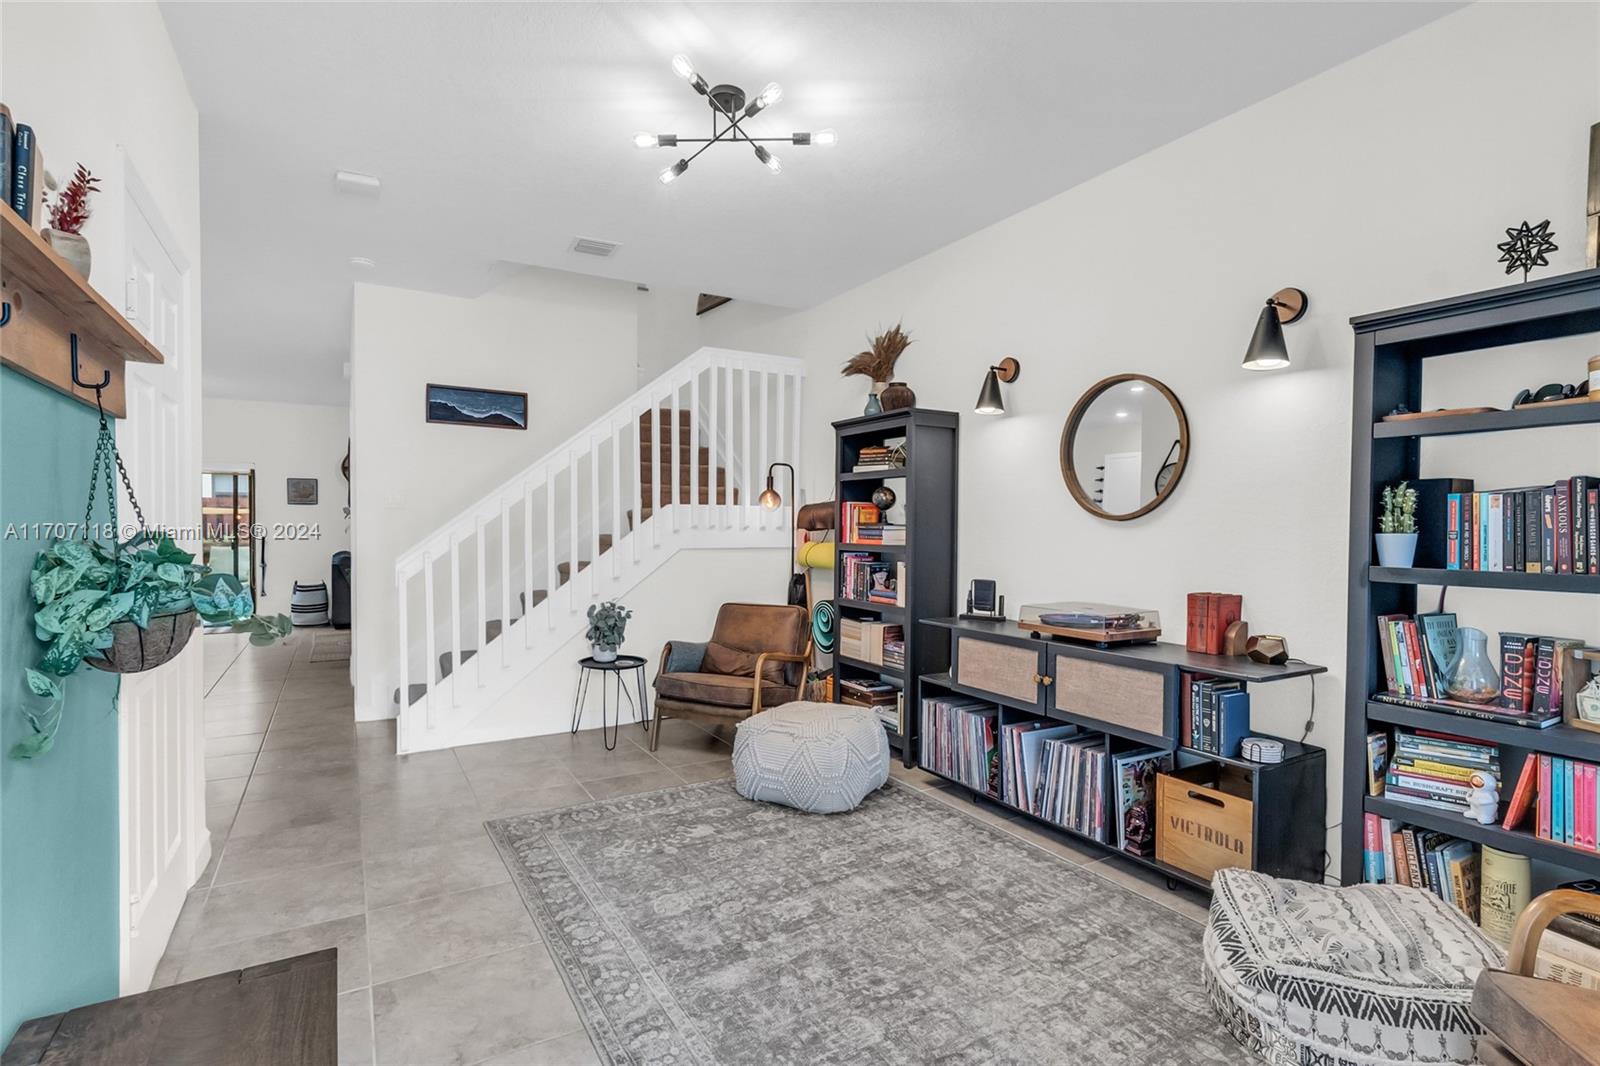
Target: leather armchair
756	658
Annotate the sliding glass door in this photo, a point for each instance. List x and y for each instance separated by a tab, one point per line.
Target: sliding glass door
227	508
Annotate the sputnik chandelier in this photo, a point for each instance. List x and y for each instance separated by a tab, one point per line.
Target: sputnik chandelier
728	111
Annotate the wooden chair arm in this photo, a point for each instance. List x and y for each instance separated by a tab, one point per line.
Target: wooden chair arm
777	657
1536	918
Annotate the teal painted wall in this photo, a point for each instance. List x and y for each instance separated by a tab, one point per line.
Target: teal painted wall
58	814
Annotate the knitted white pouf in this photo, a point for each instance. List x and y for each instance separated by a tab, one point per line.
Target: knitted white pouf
818	757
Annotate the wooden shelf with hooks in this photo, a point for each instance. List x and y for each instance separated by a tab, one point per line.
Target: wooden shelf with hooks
48	304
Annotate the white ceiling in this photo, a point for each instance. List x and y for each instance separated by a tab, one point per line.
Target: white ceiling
501	132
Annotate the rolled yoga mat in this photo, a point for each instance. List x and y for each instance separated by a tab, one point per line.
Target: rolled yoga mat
816	554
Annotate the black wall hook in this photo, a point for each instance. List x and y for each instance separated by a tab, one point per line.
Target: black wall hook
105	374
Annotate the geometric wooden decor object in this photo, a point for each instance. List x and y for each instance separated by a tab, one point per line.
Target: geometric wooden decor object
48	304
1236	640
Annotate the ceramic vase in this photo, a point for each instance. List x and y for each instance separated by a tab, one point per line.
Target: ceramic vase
874	403
1397	549
73	247
601	654
1470	675
897	395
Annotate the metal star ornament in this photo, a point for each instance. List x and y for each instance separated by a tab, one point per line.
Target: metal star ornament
1528	247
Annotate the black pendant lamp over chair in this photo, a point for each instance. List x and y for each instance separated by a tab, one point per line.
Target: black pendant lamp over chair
1267	350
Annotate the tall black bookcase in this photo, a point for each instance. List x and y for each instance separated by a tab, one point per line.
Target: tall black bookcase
926	488
1392	350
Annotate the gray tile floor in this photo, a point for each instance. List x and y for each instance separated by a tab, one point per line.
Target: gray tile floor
322	836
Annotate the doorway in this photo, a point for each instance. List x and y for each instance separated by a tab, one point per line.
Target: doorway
227	512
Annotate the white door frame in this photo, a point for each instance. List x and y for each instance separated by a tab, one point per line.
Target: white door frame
161	731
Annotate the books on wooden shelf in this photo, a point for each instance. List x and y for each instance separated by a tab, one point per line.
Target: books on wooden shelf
867	692
877	457
867	641
1539	529
1436	770
885	533
1399	854
1559	798
959	740
1539	676
865	577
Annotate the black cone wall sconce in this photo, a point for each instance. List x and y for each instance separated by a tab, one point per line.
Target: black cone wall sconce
1267	350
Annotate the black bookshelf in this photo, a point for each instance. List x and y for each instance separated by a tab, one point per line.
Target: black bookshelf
1392	349
926	489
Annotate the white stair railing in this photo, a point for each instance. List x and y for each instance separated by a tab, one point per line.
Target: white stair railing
585	522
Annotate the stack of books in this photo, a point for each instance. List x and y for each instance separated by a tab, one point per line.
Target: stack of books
867	641
879	457
1072	786
1436	769
1538	675
868	692
959	740
1218	715
894	652
1419	858
1569	952
880	533
1209	616
869	579
852	516
1549	529
1563	795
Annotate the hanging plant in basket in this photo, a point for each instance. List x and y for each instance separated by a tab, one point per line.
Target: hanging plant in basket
123	608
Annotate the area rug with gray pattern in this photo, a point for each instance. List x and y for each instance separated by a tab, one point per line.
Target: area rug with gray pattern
693	926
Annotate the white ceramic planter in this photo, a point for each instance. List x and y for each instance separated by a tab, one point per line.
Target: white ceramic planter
602	655
1397	549
72	247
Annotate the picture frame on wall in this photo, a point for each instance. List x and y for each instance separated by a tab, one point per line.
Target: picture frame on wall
457	405
302	491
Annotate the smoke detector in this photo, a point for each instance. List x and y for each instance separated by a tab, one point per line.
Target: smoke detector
351	181
590	246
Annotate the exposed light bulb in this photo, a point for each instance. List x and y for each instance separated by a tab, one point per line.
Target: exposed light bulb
646	140
825	138
682	67
669	175
771	94
773	163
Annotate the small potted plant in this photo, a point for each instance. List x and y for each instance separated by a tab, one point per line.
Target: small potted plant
1397	526
69	210
607	621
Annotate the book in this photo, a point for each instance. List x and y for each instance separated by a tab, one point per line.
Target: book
1516	674
1522	796
1372	849
24	172
1135	774
1440	638
7	133
1547	530
1377	761
1530	531
1452	544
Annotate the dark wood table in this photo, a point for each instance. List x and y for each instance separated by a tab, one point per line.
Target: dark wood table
280	1013
1532	1022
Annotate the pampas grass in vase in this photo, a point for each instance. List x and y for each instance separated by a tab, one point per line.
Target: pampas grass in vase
877	363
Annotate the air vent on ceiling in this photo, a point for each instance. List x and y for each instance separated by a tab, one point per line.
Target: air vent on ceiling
590	246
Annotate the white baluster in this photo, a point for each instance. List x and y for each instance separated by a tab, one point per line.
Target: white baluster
657	498
572	529
636	475
455	617
550	544
430	669
744	458
714	453
527	564
505	582
402	589
694	448
481	637
677	455
766	430
616	503
594	514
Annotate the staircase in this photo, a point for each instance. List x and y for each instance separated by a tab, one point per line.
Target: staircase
678	465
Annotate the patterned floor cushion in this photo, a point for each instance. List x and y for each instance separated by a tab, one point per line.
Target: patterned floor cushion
819	757
1308	975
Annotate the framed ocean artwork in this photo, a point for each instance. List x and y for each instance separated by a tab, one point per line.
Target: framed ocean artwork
458	406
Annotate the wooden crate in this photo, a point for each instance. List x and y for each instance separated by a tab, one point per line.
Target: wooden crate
1202	824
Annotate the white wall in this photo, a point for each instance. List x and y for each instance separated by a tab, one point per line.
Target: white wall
1383	182
279	441
570	342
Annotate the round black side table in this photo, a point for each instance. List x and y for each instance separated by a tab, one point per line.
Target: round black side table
589	665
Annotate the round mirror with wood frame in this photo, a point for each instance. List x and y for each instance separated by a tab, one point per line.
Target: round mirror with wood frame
1124	447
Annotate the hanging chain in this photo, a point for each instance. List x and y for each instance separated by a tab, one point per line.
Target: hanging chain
105	454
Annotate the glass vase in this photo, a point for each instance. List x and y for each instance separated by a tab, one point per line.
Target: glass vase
1470	675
